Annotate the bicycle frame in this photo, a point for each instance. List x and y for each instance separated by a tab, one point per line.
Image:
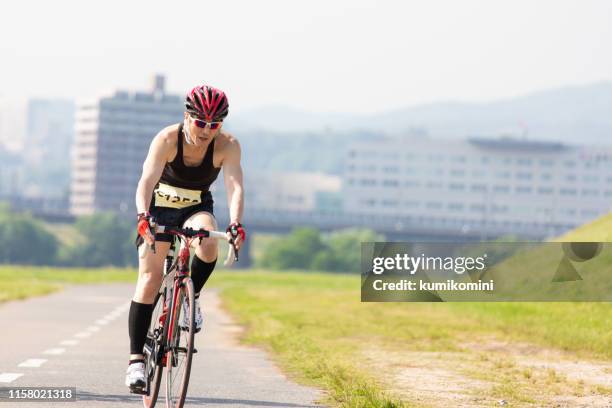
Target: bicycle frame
186	237
182	272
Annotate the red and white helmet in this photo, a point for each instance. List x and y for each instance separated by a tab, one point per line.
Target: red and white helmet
207	102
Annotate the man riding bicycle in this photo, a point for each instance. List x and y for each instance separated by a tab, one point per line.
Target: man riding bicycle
183	161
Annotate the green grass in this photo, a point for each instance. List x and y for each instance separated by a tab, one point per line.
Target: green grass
308	320
320	331
20	282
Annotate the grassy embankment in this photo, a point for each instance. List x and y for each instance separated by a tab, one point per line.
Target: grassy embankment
319	330
321	333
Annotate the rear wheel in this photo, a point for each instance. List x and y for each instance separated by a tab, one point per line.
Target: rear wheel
180	352
153	351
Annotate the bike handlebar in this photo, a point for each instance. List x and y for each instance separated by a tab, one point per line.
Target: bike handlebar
190	233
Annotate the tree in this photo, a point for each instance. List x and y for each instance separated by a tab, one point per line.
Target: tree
344	250
24	241
295	250
109	241
304	248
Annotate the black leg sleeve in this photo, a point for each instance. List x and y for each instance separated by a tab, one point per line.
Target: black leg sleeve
200	272
138	324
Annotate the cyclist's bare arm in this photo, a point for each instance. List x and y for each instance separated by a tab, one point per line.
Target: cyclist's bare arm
160	149
232	178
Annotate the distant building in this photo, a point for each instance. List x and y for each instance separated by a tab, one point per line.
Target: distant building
285	191
50	120
49	134
493	186
112	138
12	124
10	174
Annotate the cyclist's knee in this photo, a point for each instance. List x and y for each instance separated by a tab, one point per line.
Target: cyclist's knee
150	274
149	281
207	250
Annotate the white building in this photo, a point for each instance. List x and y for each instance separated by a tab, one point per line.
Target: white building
112	137
497	186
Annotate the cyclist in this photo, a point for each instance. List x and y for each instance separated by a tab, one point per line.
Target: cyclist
183	161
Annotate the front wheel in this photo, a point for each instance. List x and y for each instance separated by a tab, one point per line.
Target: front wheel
180	351
153	345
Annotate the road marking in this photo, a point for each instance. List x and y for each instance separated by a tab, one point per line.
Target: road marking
33	362
116	312
92	329
9	377
82	335
69	343
55	351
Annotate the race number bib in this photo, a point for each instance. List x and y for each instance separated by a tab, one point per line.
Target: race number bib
176	197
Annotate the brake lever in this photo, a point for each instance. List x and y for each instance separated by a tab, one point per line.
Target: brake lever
231	241
153	229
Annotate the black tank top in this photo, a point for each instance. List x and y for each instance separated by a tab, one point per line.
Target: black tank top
192	177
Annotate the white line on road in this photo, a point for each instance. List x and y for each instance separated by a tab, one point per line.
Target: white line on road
69	343
118	311
55	351
82	335
33	362
9	377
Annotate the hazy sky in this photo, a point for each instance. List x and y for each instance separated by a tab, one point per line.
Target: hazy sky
354	56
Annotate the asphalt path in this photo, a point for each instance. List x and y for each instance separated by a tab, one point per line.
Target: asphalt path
78	338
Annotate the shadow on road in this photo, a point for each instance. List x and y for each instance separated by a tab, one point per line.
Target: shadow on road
90	396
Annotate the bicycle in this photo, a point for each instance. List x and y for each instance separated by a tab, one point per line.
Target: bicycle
168	345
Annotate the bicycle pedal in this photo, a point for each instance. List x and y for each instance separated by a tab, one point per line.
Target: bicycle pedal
138	390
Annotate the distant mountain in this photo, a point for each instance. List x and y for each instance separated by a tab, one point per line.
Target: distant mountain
575	114
283	119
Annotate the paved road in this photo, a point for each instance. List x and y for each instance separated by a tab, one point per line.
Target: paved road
78	337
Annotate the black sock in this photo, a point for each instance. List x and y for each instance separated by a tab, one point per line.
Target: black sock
200	272
138	324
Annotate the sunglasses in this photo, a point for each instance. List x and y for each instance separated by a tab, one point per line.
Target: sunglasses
202	123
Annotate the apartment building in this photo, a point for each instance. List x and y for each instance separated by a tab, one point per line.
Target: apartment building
112	137
499	186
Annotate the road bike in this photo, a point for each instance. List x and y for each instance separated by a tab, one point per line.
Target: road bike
168	345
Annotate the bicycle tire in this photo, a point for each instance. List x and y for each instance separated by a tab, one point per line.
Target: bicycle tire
154	370
178	370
